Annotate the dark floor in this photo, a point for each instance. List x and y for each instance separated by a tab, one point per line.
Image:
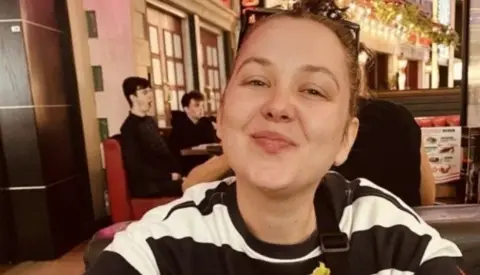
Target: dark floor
71	264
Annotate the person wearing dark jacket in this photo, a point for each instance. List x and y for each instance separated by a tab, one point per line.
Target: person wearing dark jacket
388	150
191	128
150	166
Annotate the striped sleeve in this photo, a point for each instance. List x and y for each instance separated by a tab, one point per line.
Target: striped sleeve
440	265
130	253
402	242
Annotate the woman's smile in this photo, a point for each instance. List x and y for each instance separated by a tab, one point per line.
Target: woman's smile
272	142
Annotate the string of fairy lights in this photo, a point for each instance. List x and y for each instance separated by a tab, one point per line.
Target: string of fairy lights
374	27
395	21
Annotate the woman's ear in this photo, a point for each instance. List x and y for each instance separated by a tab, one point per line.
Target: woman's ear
219	124
348	140
220	115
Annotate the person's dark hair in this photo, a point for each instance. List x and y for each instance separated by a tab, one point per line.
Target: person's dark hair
326	13
193	95
132	84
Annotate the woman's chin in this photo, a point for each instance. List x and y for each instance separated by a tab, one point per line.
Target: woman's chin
272	180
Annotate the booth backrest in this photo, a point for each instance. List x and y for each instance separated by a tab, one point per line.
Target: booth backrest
453	120
438	121
120	207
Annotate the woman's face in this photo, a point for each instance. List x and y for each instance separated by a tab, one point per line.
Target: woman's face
285	119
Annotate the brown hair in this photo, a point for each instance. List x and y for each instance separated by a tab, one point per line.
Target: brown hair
306	10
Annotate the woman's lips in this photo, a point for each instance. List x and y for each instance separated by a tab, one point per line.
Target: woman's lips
272	142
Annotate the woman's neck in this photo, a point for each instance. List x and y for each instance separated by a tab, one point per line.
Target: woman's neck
275	219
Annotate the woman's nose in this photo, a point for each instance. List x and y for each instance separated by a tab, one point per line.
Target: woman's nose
278	108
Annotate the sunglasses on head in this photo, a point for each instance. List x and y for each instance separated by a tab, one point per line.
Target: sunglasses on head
253	15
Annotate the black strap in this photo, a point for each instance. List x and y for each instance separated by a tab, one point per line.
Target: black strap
330	199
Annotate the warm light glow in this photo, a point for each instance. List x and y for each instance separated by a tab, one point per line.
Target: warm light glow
288	4
402	78
362	58
428	68
457	70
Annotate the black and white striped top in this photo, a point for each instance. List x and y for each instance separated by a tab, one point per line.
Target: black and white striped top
203	233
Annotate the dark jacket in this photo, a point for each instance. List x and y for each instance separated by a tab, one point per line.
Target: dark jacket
186	134
387	149
147	158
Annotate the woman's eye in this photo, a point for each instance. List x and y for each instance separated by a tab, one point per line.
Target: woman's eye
314	92
256	82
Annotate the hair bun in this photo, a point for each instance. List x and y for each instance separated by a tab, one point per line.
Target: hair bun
327	8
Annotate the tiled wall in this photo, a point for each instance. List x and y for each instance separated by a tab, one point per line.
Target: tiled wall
114	51
141	44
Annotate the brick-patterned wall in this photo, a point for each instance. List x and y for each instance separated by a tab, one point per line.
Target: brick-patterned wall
140	36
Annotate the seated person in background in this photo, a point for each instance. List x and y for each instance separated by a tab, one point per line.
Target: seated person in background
189	129
151	168
388	150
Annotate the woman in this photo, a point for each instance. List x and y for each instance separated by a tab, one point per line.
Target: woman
287	116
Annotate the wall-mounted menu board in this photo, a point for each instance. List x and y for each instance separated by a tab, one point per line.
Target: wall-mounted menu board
443	147
473	109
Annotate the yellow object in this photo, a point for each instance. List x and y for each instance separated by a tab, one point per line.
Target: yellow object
321	270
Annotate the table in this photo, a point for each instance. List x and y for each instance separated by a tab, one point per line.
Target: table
208	150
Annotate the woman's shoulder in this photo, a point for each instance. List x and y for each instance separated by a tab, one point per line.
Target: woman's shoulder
386	229
194	201
368	204
176	232
371	198
375	210
188	217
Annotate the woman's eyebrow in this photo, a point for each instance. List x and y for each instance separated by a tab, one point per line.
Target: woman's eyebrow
320	69
264	62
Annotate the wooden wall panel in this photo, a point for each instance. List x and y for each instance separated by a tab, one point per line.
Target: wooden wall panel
427	102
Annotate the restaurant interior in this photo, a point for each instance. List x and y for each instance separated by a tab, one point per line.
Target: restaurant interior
435	76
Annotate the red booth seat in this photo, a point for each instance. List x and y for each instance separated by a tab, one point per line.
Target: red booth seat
438	121
453	120
122	207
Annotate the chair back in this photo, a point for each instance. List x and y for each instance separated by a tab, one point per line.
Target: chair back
120	206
